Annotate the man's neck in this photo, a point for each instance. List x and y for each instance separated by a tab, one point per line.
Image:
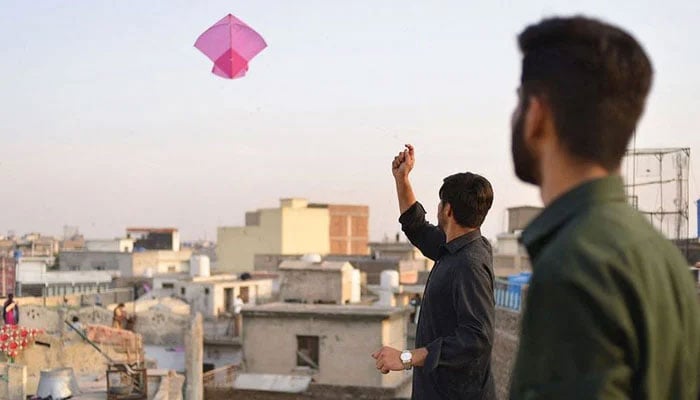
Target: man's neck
453	232
563	174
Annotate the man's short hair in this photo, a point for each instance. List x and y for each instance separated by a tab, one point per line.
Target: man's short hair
470	196
595	78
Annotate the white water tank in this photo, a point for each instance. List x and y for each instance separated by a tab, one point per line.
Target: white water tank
355	286
199	266
389	279
386	298
311	258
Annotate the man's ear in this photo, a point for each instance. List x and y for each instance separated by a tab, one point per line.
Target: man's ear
536	114
447	209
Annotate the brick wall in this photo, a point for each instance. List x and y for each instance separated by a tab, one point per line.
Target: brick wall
349	229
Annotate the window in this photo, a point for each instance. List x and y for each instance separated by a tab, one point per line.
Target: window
206	290
307	351
182	291
244	292
228	299
168	286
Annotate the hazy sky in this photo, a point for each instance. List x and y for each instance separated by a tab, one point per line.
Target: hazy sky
109	117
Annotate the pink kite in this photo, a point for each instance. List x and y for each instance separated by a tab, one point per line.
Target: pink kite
230	44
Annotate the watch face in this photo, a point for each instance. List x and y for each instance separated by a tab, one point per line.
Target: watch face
406	356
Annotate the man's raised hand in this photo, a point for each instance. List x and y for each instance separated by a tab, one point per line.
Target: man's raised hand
403	163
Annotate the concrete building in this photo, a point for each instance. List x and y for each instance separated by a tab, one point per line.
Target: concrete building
155	238
211	295
82	260
398	250
395	250
137	264
154	262
327	282
408	269
271	262
509	256
293	228
372	267
519	217
37	245
214	296
34	280
72	243
7	246
331	343
125	245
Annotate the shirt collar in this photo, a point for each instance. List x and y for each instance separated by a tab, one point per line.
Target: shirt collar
457	243
571	203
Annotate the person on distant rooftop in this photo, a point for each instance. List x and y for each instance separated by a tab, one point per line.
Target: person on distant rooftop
119	316
10	311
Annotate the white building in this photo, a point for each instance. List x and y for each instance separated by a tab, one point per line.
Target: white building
35	280
125	245
212	296
215	296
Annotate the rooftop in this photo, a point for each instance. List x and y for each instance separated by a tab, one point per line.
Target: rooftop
325	265
150	230
331	311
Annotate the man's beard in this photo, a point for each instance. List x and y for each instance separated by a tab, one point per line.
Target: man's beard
524	161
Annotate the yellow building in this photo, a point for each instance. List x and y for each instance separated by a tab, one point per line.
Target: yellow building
294	228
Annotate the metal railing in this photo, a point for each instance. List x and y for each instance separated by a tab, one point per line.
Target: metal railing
510	296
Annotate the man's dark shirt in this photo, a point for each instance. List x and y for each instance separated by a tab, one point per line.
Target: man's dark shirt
456	320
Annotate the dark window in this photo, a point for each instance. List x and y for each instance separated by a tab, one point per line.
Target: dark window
245	294
206	290
168	286
228	299
182	291
307	351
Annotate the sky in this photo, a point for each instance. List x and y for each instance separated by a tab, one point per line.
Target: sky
109	117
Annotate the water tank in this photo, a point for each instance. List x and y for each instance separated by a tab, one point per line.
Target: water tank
389	279
199	266
312	258
386	299
355	286
148	273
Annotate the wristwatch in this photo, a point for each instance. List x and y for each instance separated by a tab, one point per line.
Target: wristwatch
406	359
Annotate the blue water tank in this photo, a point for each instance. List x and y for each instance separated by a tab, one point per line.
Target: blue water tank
515	282
17	254
526	275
